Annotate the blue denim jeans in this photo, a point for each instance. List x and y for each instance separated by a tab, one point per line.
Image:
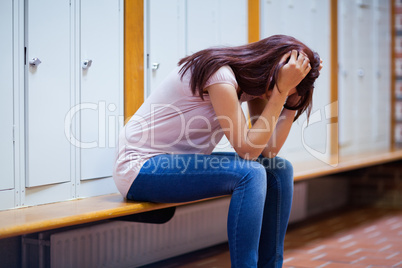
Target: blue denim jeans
260	205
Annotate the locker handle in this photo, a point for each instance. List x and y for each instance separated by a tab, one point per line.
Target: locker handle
155	66
35	61
86	64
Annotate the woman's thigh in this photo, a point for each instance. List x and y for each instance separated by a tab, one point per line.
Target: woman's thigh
186	177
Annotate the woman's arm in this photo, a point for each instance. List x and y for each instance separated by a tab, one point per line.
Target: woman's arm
282	128
249	143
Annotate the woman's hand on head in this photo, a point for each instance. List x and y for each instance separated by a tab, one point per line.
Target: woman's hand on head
293	72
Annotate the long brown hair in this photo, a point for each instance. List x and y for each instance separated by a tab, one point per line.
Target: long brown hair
256	67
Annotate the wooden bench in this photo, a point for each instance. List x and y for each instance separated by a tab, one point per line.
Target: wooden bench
51	216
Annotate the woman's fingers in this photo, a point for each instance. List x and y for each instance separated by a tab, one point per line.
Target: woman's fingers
308	68
285	57
293	57
300	59
305	66
305	55
292	73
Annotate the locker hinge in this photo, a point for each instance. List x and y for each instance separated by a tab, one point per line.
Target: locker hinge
147	61
13	133
25	55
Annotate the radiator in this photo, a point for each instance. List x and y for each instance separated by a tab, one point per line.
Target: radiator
125	244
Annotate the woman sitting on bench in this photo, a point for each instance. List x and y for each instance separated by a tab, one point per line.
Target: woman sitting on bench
165	149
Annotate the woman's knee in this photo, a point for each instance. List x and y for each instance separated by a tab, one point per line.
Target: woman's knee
280	168
284	169
278	165
256	177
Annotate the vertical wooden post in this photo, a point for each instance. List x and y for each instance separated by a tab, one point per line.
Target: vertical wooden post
253	27
334	147
253	20
133	56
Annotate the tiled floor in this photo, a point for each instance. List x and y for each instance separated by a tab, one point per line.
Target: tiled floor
351	239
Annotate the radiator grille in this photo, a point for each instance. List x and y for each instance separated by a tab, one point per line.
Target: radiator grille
125	244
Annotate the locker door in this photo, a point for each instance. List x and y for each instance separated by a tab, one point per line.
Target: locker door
284	17
48	87
101	85
347	75
307	21
211	23
317	37
234	22
166	44
203	25
6	96
364	59
382	83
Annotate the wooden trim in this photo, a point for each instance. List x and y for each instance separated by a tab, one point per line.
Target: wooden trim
393	74
253	28
334	147
133	56
253	20
317	169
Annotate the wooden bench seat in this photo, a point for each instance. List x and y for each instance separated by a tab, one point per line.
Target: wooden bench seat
50	216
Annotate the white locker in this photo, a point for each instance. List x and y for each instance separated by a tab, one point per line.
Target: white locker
101	85
347	92
381	74
234	22
364	75
6	95
309	22
363	55
212	23
176	28
165	27
187	26
203	27
48	88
